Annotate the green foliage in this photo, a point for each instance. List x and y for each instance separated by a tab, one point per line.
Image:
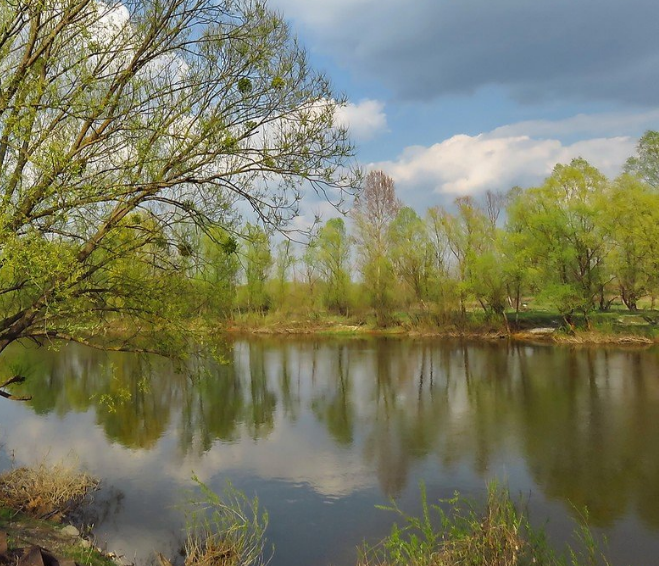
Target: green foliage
332	252
374	211
217	272
227	528
456	533
411	253
646	164
558	226
632	220
284	263
124	133
257	263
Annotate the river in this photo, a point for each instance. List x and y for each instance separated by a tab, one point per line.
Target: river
323	430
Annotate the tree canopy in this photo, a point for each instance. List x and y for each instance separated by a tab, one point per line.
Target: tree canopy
123	124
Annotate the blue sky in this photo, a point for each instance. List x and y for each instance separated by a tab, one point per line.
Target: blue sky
454	97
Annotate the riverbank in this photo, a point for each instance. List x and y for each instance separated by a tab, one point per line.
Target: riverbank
34	542
35	503
613	328
450	533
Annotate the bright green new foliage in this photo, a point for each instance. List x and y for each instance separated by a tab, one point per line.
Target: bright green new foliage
124	124
558	225
332	252
374	211
632	220
646	164
257	264
411	253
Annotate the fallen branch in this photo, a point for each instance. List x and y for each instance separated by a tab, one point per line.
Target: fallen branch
11	381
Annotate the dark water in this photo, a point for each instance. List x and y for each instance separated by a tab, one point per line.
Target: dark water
324	430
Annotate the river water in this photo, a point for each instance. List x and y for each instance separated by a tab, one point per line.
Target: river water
323	430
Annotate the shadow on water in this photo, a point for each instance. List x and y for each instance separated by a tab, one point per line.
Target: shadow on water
354	423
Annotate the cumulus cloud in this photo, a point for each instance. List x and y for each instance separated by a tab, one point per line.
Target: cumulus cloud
428	48
364	120
468	165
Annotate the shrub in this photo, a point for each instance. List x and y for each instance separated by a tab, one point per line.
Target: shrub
498	536
224	530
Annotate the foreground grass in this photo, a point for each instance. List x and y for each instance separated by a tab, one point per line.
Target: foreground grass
34	501
461	536
228	529
45	492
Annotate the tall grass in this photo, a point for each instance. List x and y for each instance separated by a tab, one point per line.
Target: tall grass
45	492
226	529
500	535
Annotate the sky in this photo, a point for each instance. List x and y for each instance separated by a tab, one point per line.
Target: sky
455	97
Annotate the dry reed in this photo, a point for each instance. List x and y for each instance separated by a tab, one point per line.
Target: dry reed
45	491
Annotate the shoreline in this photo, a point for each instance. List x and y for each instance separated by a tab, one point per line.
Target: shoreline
53	543
543	335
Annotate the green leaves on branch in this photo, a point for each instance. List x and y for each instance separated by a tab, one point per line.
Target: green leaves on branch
174	111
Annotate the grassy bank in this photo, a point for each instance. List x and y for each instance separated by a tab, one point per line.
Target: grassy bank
24	532
35	503
456	533
613	327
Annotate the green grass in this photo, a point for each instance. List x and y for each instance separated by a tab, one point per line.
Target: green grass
5	514
87	556
455	533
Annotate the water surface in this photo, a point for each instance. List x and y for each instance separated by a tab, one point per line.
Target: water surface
322	430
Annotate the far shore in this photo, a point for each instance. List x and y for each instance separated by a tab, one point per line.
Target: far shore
553	335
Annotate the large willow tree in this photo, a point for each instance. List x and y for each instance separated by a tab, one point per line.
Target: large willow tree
122	124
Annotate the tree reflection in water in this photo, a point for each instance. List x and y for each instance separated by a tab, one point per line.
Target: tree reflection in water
583	420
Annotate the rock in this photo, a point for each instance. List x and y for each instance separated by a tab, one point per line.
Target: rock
632	320
84	543
32	557
70	531
122	561
542	331
37	556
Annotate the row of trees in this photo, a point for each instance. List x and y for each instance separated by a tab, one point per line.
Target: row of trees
132	131
578	242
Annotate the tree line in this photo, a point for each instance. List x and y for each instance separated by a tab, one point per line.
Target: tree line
132	131
577	243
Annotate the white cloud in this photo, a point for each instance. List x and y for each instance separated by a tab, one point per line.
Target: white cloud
463	165
364	120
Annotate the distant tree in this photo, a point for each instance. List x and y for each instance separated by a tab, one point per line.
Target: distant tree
646	164
374	210
411	252
284	263
558	226
631	217
332	255
438	239
495	202
257	261
469	234
311	273
217	271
